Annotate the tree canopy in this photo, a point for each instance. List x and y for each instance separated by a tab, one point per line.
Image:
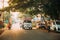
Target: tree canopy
50	7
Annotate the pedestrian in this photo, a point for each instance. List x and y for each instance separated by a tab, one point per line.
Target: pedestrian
38	22
42	25
48	23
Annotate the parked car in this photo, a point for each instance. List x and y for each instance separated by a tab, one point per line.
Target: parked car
27	23
56	26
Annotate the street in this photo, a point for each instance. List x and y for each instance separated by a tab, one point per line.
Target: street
29	35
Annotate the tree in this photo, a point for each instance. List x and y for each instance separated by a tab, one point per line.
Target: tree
50	7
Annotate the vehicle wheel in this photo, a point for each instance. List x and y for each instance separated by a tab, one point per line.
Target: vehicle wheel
30	28
23	26
54	29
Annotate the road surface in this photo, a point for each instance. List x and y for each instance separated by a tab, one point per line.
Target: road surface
29	35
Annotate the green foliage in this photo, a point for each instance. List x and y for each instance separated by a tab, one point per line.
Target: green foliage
50	7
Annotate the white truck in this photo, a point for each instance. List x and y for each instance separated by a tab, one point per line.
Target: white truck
56	26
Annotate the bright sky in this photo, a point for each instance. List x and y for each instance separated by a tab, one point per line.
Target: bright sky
3	3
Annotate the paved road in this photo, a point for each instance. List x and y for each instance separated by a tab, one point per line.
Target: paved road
29	35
